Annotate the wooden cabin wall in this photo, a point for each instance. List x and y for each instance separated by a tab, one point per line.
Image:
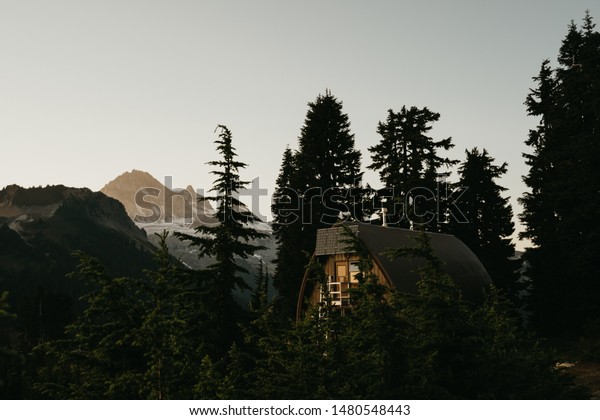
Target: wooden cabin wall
328	263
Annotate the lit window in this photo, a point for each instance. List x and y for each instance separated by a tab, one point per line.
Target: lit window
340	285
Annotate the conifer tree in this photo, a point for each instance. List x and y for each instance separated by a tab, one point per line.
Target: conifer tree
287	228
539	211
408	164
562	207
328	167
488	228
229	239
321	178
260	294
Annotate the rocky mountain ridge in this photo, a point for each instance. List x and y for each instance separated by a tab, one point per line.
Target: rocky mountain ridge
148	201
41	228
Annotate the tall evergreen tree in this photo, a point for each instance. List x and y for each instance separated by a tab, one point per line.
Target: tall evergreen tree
489	225
562	207
328	166
260	294
287	228
229	239
408	163
319	185
539	215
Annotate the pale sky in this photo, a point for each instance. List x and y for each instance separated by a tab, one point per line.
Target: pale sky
91	89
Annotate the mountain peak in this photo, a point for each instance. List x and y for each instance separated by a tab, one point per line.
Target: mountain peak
133	179
147	200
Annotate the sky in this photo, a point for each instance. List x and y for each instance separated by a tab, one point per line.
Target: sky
91	89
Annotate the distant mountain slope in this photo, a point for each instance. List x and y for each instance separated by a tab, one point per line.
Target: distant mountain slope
66	216
146	200
40	228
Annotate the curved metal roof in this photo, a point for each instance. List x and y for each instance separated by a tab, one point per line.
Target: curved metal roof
457	259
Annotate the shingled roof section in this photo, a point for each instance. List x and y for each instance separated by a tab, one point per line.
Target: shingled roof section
331	241
458	260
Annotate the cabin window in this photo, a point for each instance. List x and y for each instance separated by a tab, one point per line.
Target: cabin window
353	271
342	281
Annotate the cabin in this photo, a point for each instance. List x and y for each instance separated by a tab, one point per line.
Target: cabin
341	266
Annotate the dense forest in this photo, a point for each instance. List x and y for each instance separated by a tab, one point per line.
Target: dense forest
172	332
